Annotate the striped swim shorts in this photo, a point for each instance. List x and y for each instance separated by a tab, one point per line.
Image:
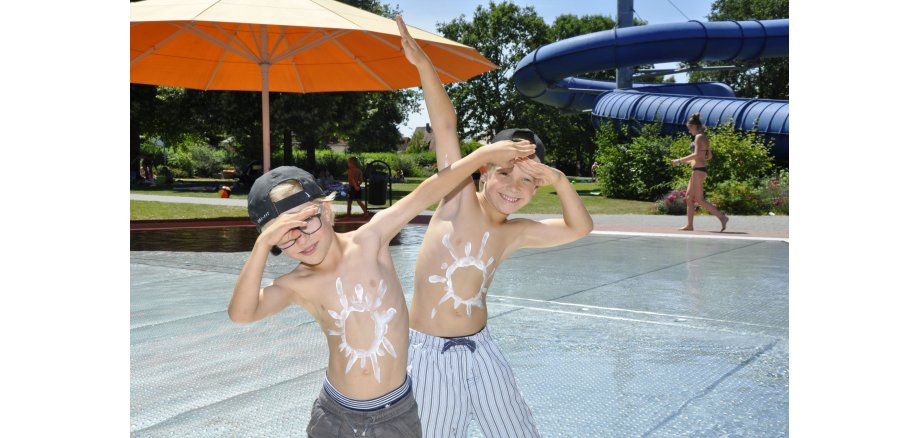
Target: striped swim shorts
457	379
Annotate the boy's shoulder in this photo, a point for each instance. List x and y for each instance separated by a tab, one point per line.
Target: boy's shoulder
300	273
300	276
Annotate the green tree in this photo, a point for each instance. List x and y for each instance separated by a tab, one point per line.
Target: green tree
377	128
142	118
769	78
568	26
636	168
503	33
314	120
569	137
171	114
417	143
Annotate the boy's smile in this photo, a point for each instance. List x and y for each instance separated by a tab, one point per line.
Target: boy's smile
309	250
509	199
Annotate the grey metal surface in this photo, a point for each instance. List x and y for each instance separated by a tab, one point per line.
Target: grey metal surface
608	336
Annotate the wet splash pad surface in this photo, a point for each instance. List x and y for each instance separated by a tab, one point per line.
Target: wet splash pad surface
612	335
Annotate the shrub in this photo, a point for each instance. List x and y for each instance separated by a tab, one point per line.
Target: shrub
334	162
468	147
412	165
387	157
192	156
638	169
404	162
775	193
738	197
672	203
417	143
426	163
176	172
207	161
181	164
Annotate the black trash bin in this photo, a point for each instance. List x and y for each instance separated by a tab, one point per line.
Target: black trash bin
377	184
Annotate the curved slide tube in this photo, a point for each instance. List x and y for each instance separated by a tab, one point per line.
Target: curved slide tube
545	75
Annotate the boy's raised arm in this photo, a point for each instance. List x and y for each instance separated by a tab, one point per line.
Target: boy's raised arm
442	115
575	222
250	302
440	108
388	222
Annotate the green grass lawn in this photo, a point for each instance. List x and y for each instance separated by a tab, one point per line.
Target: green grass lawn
547	201
152	210
164	191
544	202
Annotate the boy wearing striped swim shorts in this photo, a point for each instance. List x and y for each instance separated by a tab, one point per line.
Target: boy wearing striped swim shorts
458	371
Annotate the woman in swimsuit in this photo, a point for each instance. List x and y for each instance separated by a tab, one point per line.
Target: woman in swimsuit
697	159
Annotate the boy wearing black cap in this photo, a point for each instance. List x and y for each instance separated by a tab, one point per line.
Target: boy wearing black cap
348	283
458	371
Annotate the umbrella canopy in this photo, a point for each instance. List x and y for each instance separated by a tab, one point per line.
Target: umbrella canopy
282	45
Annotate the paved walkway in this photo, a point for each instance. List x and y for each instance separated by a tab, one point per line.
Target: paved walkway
758	227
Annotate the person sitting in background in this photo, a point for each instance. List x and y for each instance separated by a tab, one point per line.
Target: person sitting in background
330	185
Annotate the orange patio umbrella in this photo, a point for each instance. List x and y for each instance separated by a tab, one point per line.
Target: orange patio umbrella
297	46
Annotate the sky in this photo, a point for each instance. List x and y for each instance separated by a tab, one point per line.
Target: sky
421	14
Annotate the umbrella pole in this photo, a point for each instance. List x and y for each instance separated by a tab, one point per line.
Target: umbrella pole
266	138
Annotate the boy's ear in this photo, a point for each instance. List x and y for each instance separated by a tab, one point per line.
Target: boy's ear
483	170
328	210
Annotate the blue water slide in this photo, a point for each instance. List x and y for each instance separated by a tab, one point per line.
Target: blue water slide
546	75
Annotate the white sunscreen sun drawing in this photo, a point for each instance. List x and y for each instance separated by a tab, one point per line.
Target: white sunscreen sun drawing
463	262
363	303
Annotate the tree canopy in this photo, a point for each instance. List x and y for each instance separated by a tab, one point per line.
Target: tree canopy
505	32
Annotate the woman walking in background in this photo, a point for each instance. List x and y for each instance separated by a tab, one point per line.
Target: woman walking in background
697	159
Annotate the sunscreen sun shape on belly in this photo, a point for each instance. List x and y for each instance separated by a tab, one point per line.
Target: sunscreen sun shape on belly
462	262
363	303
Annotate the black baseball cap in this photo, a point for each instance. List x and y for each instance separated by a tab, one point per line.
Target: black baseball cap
261	207
522	134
